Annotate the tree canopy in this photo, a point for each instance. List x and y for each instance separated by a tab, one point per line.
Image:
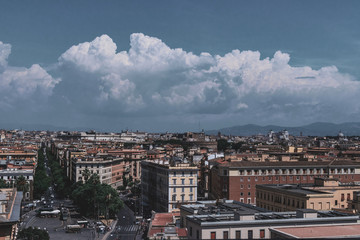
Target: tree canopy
33	234
95	199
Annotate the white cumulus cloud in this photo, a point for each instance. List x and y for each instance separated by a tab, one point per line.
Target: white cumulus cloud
151	77
20	84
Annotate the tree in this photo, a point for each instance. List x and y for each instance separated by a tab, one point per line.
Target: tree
125	181
86	173
33	234
41	180
222	145
22	184
4	184
95	199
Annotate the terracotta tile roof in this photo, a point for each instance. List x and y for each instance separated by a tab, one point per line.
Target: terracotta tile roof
163	219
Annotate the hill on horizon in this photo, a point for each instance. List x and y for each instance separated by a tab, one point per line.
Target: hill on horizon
314	129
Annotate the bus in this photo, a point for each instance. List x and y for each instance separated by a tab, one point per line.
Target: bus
73	228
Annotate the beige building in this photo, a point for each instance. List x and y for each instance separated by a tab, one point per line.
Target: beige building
99	166
166	186
324	194
10	207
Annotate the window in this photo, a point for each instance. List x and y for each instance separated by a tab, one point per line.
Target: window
174	181
249	193
348	197
174	189
241	186
249	179
183	174
256	178
190	231
262	233
191	189
342	197
290	178
270	178
213	235
241	194
249	186
191	173
191	197
191	181
182	198
225	172
182	189
182	181
241	179
250	234
174	174
249	200
238	234
174	197
225	235
197	234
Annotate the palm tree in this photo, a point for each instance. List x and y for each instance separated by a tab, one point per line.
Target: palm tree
21	184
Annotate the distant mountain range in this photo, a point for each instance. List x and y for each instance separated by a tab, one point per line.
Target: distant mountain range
39	127
314	129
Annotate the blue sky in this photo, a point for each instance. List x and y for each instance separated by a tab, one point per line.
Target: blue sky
170	65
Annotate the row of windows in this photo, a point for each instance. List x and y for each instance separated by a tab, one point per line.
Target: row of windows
295	171
14	177
182	174
183	189
283	178
182	197
225	234
191	181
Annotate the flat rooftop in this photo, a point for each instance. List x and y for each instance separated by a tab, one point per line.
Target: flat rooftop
266	216
328	231
221	207
293	188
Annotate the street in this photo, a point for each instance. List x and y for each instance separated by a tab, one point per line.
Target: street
126	227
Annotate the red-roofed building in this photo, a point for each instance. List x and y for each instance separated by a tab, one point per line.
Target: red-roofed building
166	226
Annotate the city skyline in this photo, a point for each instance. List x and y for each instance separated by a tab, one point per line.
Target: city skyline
177	65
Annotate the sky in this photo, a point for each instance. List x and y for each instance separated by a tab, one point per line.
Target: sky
178	65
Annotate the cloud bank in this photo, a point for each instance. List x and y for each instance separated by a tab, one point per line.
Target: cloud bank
151	79
21	86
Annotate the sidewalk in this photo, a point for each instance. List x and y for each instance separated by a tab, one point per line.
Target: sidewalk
113	225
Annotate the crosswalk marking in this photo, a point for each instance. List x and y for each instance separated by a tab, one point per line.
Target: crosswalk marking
128	228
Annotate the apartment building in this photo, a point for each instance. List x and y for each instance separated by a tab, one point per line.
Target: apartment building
10	208
167	185
262	225
28	156
236	180
324	194
10	175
